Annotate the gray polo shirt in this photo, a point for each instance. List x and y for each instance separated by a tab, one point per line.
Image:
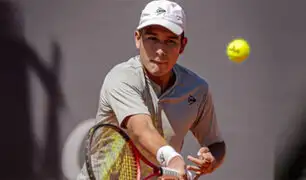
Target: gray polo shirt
187	105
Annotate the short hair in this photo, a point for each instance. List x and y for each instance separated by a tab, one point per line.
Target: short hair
182	35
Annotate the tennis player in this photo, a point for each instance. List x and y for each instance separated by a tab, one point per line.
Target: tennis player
157	100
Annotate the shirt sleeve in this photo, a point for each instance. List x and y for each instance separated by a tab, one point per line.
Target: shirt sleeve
123	93
205	128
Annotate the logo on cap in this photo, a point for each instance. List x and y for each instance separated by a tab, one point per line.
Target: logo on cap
160	11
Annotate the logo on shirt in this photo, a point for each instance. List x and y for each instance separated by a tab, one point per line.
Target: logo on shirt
191	99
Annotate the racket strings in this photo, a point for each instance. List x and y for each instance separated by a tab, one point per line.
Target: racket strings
112	156
128	166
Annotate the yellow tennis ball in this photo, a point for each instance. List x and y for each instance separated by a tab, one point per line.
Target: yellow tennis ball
238	50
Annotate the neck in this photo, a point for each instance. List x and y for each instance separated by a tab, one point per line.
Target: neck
164	81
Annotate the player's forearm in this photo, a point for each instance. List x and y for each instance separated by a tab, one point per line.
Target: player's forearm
150	138
142	131
145	134
218	150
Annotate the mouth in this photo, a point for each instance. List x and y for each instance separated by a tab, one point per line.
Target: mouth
159	62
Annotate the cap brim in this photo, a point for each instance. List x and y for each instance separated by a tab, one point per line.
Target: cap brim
176	29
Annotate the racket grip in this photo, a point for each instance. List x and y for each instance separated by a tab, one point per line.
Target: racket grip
189	175
171	172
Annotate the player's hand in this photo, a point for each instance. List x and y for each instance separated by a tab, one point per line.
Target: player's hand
178	164
205	163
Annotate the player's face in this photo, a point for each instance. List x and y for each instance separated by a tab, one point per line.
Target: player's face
159	49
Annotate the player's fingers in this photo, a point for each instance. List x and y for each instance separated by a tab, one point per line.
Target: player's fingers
207	157
203	171
200	161
196	160
193	168
202	150
208	169
200	170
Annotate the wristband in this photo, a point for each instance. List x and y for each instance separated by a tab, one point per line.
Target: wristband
165	154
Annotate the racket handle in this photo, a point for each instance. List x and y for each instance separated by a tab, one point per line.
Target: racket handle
171	172
189	175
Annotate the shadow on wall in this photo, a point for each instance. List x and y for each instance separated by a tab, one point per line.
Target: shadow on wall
20	155
291	163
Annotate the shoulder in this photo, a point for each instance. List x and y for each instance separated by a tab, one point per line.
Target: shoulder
190	77
130	67
128	72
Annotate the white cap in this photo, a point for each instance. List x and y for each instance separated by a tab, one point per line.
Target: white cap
164	13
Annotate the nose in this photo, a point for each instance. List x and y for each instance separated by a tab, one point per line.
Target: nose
160	52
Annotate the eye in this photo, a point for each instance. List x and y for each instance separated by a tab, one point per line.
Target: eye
171	42
152	38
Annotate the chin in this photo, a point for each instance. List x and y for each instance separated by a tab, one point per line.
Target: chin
158	73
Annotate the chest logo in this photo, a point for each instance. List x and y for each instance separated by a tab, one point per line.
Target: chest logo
191	99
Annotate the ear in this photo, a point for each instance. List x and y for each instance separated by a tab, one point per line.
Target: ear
137	36
183	45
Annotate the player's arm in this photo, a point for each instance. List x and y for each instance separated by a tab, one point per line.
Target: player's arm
124	94
206	130
142	130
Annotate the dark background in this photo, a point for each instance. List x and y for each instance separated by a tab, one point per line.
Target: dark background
56	53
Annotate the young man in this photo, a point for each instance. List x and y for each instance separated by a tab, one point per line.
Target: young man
157	100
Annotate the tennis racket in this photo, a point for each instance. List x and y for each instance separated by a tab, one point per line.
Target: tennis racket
111	154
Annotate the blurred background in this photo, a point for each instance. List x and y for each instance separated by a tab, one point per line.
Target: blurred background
55	55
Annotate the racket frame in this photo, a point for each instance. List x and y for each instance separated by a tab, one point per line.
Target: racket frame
157	171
